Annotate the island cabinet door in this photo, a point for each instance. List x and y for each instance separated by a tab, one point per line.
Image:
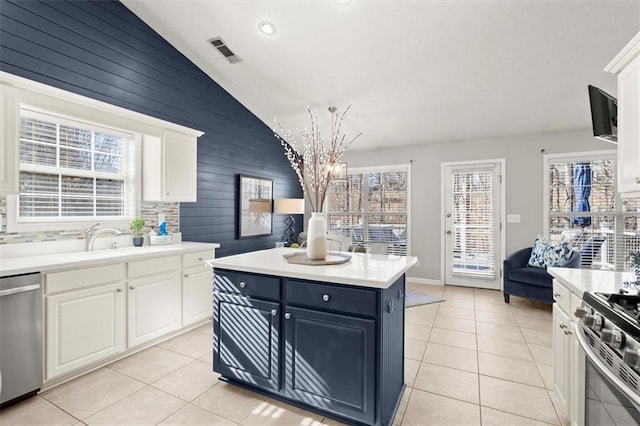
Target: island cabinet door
245	340
330	362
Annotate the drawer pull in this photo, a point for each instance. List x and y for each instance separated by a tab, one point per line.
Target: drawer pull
287	315
119	290
563	326
274	312
186	275
131	287
326	297
638	180
243	284
556	295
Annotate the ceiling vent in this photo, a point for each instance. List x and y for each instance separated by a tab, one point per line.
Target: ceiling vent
219	44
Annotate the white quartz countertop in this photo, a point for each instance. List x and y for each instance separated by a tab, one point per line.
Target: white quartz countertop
56	261
592	280
366	270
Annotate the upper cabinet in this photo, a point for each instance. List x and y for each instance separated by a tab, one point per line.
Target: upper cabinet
627	66
169	167
8	140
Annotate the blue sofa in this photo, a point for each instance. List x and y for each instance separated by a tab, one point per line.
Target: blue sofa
530	282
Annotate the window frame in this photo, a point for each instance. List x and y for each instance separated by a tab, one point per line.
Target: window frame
381	169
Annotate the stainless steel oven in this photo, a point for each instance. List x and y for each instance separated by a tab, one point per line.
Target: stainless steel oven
608	339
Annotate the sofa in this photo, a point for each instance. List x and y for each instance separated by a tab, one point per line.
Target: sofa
520	279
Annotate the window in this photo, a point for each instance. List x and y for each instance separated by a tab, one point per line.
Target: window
372	208
72	170
584	207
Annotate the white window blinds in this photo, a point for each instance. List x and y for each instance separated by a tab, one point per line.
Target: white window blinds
371	207
70	169
584	207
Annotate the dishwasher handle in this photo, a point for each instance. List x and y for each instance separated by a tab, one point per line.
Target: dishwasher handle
16	290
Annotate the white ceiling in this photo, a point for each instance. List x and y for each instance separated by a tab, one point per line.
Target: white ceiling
415	72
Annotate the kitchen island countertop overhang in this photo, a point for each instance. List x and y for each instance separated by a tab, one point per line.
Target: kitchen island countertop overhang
366	270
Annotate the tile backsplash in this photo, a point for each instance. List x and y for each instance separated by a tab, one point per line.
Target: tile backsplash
148	210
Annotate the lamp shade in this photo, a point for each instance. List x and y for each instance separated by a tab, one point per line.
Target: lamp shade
290	205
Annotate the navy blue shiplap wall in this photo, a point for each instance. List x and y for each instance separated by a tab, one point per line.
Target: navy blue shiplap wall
101	50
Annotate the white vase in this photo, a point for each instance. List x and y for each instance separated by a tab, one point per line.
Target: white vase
317	237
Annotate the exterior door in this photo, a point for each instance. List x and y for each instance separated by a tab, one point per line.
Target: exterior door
472	224
330	362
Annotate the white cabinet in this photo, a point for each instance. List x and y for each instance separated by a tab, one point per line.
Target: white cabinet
627	66
153	298
9	142
567	376
85	317
197	287
169	167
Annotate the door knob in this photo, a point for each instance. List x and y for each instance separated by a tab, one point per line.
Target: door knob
326	297
448	232
448	214
287	315
243	284
274	312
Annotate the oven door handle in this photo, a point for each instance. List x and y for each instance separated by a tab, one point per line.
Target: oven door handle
619	384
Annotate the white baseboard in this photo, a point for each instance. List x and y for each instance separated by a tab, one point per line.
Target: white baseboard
424	281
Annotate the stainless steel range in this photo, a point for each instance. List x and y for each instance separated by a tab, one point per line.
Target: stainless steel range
609	334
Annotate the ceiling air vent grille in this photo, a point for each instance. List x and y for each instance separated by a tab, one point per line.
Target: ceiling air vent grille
221	46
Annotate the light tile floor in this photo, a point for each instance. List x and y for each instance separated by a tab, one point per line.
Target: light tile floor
471	360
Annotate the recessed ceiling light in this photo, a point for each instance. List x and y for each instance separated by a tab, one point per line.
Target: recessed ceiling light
267	27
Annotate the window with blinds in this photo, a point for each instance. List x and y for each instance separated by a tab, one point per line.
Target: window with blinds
371	208
72	170
584	208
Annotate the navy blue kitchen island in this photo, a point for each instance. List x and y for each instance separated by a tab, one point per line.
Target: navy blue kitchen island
326	338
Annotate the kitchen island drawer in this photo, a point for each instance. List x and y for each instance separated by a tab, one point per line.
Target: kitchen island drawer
332	297
253	285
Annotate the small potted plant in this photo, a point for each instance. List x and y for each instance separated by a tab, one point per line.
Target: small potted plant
137	225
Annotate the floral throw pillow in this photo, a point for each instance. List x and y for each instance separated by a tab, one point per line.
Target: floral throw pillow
545	253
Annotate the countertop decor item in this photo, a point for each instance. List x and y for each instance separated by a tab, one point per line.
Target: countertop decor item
137	225
330	259
316	162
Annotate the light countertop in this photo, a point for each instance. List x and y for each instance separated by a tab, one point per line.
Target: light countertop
56	261
592	280
366	270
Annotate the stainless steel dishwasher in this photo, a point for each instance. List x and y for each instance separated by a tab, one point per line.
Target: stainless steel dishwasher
20	337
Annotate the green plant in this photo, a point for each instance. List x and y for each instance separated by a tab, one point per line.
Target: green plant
137	225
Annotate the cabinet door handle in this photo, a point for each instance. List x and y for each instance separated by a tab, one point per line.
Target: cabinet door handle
326	297
200	259
119	290
638	180
274	312
563	326
186	275
390	306
131	287
287	315
556	294
243	284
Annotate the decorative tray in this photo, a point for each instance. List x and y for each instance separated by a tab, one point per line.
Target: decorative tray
333	258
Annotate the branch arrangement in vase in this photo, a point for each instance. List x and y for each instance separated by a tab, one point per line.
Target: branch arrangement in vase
316	162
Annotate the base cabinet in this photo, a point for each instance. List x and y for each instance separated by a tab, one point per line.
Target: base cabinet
197	291
247	356
153	307
330	362
332	348
72	341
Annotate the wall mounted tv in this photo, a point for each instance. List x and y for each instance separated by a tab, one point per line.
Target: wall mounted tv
604	115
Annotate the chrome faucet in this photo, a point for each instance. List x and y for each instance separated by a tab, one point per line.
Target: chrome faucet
91	233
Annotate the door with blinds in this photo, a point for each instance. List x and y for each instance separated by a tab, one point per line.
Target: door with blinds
472	224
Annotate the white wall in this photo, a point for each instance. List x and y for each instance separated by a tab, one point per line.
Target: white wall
523	184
